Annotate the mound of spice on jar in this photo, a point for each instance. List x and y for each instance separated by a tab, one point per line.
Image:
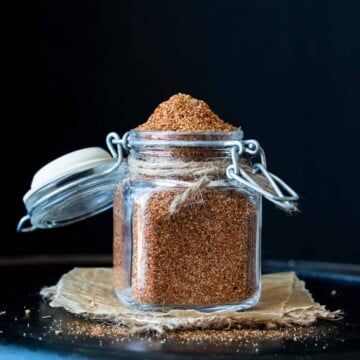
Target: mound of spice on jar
184	113
185	235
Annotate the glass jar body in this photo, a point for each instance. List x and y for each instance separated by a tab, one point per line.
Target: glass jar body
203	255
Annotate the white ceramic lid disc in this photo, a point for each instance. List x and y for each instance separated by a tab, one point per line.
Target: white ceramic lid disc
69	163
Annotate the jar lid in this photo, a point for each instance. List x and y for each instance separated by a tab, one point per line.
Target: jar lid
71	188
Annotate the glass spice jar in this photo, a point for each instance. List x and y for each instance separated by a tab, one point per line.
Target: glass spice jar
187	220
187	213
187	207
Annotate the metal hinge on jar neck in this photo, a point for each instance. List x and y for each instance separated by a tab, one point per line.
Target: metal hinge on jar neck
271	187
274	189
113	139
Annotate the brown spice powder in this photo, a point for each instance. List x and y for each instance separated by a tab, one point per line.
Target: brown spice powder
315	339
182	112
203	254
121	243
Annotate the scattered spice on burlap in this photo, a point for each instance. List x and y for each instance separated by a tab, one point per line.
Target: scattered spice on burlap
284	302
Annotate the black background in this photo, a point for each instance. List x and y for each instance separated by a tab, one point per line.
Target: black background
287	72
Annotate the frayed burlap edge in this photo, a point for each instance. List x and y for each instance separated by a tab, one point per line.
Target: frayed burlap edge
89	292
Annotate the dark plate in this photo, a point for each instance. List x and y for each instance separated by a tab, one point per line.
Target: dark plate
30	329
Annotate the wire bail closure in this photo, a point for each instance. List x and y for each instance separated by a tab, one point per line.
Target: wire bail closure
112	139
234	171
282	194
275	190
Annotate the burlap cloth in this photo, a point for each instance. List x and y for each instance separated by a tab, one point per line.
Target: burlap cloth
284	302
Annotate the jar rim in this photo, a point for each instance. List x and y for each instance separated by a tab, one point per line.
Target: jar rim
181	138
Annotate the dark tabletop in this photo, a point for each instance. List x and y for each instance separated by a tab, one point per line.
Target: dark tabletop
29	328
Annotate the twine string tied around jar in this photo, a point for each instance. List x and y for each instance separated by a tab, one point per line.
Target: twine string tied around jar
202	173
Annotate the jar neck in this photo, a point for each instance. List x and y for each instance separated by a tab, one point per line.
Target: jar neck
168	146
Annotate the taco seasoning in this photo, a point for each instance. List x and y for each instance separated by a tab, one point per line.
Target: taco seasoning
185	235
186	205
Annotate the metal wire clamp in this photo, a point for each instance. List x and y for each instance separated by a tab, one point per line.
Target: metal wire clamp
276	190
